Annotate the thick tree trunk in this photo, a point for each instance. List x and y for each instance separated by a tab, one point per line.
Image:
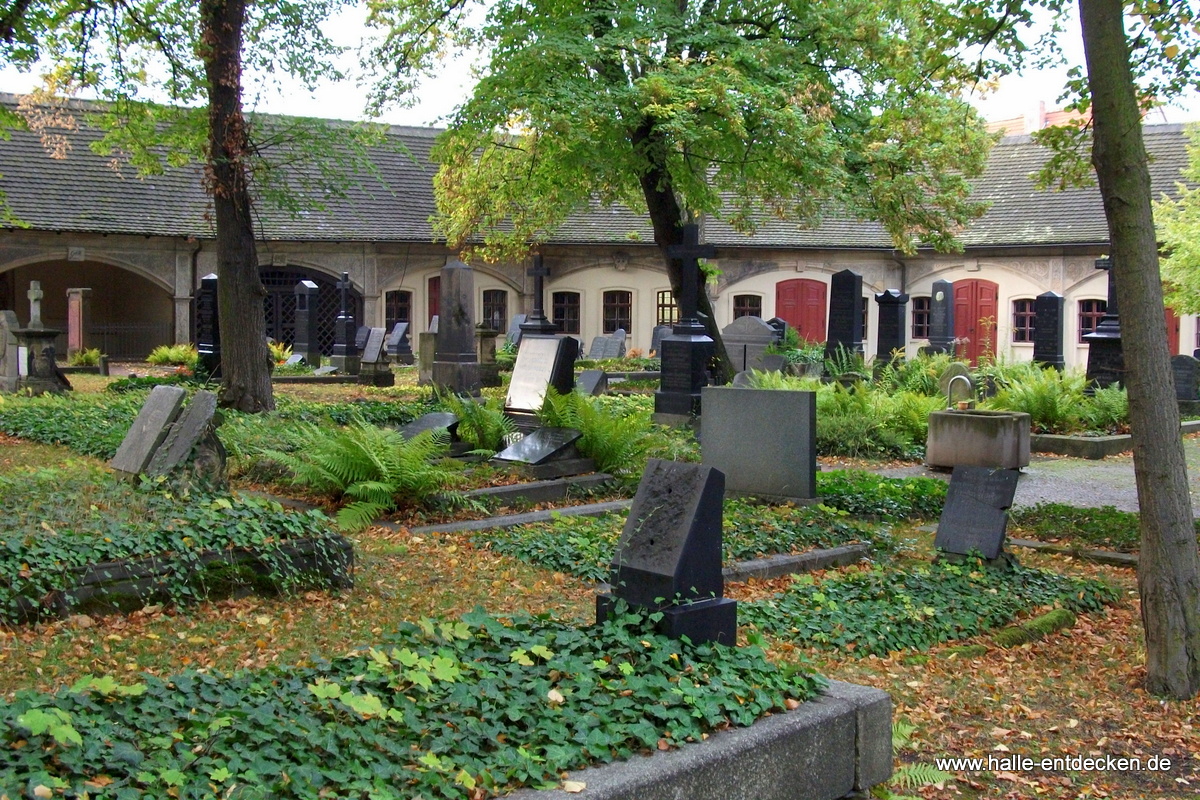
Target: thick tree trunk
246	383
1168	566
667	219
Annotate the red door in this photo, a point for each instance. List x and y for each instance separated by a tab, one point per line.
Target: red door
800	303
975	310
433	297
1172	331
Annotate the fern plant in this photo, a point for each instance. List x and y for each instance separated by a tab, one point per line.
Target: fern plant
182	355
480	424
376	468
618	444
908	776
1051	399
1106	410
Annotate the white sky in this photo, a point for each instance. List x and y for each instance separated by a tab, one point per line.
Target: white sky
1017	95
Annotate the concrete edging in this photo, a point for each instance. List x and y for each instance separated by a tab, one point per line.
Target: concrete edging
1092	447
512	520
838	743
776	566
1110	557
540	491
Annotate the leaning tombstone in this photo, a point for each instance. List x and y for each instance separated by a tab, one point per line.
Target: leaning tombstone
149	429
975	517
596	351
592	382
191	451
433	421
614	347
375	368
547	453
668	559
659	333
542	361
399	347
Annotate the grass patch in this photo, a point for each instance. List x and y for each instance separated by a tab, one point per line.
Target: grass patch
434	710
876	611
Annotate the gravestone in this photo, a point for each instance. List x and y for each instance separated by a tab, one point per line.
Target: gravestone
455	360
514	330
542	361
293	360
191	444
657	335
614	346
686	353
596	351
345	349
746	341
434	420
398	346
433	325
537	323
781	329
321	372
1186	371
1048	330
541	446
10	360
149	429
79	319
890	337
953	386
742	380
1106	357
375	368
306	339
975	516
669	556
426	347
37	369
845	314
360	337
592	382
941	318
764	441
208	327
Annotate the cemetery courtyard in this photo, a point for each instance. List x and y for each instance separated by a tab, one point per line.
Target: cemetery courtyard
1039	660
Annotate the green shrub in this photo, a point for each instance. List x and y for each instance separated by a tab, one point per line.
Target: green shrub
179	355
477	707
1106	528
1052	399
1106	410
124	385
859	423
92	425
617	443
280	352
482	424
876	611
84	358
920	375
506	355
377	468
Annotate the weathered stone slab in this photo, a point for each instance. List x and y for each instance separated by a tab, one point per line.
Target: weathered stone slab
765	441
373	350
540	446
542	361
975	516
184	434
430	422
1186	371
592	382
746	340
148	429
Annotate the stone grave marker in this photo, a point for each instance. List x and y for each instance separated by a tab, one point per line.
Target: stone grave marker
892	333
746	341
1186	372
321	372
845	314
952	385
596	351
741	381
375	366
372	349
426	347
345	339
455	358
764	441
305	342
398	346
433	325
669	556
941	317
542	361
432	421
186	434
514	329
975	516
659	333
541	446
293	359
10	361
614	346
781	329
1048	329
149	429
360	337
208	326
592	382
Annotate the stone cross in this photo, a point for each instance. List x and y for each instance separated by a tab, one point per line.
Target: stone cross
344	292
537	322
689	253
35	295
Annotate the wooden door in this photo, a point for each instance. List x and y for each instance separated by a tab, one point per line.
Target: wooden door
1172	331
433	296
975	314
801	303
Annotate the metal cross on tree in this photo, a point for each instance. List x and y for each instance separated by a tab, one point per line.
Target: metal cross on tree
689	254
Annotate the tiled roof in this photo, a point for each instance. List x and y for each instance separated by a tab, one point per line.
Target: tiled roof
84	192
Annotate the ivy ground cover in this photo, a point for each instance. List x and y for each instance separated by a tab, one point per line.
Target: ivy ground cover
450	709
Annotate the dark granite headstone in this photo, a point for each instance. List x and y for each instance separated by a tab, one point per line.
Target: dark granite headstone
1048	330
399	347
891	338
764	441
434	420
373	348
149	429
781	329
455	358
743	380
746	340
1186	372
975	516
941	317
361	336
592	382
614	346
1106	355
659	333
345	352
542	361
514	329
306	339
596	350
669	556
208	327
542	445
845	314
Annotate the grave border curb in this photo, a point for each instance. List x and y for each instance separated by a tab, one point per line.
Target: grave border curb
1092	447
786	756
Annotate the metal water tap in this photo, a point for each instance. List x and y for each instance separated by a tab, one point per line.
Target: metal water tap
950	389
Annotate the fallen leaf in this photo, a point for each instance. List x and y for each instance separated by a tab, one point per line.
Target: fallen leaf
573	787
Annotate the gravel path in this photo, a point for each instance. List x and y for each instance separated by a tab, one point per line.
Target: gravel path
1078	481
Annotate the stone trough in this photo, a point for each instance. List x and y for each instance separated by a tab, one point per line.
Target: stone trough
975	438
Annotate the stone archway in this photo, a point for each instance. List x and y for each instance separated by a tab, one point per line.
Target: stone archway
279	304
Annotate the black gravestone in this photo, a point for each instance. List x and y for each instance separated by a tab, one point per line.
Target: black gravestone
614	346
542	445
373	346
399	346
596	351
845	314
669	556
361	336
514	329
1186	372
305	341
975	516
208	327
781	329
592	382
941	317
659	333
1048	330
434	420
890	339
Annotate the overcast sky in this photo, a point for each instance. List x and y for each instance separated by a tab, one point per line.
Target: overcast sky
1017	94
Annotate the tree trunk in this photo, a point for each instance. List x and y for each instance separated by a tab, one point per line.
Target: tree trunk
246	383
667	219
1168	565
